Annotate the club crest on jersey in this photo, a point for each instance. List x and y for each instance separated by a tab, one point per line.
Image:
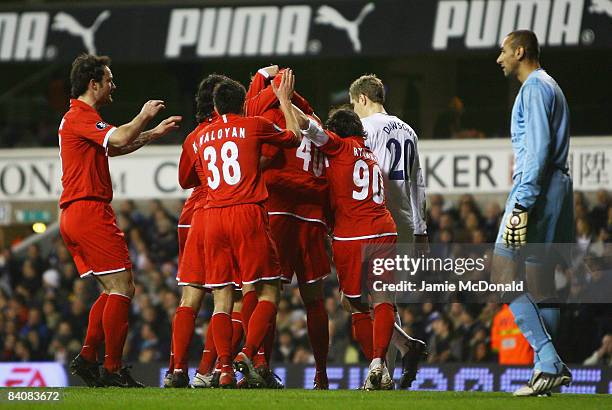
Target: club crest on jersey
101	125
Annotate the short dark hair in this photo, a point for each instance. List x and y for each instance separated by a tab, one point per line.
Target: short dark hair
204	96
229	96
370	86
528	40
345	123
86	67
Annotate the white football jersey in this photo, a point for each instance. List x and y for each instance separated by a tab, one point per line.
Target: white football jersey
395	145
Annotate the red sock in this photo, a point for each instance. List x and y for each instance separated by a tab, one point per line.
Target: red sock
259	360
95	331
262	317
249	301
115	322
182	332
209	355
222	332
237	332
362	332
384	319
318	333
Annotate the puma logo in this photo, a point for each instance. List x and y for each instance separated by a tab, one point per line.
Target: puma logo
601	7
65	22
330	16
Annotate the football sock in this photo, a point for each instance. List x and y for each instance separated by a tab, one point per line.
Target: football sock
182	332
259	360
249	301
384	319
262	317
363	332
318	333
222	333
550	315
528	319
237	332
115	323
95	331
399	337
209	354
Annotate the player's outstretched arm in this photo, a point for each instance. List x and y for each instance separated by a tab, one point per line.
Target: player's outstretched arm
126	133
164	127
257	100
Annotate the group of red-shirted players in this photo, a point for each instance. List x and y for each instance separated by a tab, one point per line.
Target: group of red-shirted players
270	183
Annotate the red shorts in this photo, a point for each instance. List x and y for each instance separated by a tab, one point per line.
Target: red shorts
301	248
353	258
89	230
239	246
191	265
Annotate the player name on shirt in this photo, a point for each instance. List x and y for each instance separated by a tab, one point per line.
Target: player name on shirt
229	132
396	125
364	153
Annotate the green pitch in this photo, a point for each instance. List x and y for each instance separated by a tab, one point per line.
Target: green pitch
154	398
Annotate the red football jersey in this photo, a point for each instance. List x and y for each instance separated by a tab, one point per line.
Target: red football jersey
229	152
356	190
191	173
83	142
295	178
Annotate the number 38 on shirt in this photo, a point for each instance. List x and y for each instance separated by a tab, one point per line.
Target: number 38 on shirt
230	168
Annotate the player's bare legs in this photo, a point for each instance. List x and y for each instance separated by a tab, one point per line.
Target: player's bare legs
268	295
120	289
183	326
318	329
221	323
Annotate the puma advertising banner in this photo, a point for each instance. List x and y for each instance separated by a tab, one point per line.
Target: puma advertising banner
206	30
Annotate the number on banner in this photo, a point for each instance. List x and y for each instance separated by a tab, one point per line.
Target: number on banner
361	179
230	166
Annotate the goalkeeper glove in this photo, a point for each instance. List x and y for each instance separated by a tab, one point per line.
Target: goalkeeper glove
515	232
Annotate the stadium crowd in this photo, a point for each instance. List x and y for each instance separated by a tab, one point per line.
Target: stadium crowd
44	308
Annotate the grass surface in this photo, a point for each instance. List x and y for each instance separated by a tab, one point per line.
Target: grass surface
155	398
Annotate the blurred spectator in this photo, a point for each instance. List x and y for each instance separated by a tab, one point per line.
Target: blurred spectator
440	342
450	123
603	355
507	340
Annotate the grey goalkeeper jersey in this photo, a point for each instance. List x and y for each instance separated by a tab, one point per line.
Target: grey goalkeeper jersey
395	145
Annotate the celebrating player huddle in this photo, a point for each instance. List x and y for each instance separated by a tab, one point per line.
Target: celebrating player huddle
273	189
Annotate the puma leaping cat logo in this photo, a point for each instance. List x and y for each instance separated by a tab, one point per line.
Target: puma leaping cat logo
328	15
65	22
601	7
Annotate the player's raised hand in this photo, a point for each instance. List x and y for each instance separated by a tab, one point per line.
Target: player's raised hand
284	92
152	107
167	125
271	70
